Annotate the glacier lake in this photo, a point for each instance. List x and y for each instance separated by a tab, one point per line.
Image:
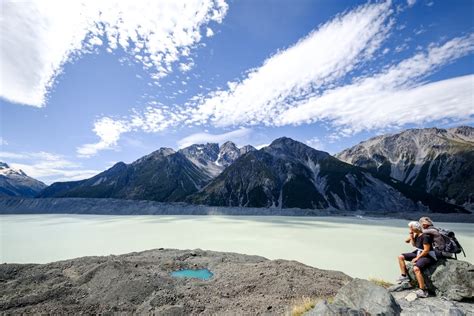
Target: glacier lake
358	246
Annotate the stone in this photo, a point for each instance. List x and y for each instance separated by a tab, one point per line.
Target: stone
324	308
359	297
400	287
432	306
362	294
411	297
448	278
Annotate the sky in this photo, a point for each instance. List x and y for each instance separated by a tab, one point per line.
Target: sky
85	84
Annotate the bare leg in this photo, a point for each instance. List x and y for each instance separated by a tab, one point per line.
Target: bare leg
401	262
419	277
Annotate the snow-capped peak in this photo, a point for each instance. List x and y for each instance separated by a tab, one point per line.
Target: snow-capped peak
6	170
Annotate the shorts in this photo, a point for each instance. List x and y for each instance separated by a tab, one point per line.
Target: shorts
420	263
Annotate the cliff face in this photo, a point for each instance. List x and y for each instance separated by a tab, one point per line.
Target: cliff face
439	161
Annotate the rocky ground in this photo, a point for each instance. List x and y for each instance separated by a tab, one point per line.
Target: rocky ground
141	282
431	305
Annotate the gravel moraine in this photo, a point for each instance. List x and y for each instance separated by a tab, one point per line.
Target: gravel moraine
141	282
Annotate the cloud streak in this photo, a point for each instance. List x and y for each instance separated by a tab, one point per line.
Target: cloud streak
314	63
39	37
47	167
394	97
200	138
320	79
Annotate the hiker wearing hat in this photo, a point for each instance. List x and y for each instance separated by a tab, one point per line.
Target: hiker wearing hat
421	257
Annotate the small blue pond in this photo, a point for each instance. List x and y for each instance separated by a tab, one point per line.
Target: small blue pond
202	274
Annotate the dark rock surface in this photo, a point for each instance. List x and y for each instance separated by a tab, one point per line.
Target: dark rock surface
141	283
359	297
451	279
431	306
439	161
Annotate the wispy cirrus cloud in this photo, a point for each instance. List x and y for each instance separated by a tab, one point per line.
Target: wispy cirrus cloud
237	136
320	79
109	130
281	92
317	61
39	37
393	97
47	167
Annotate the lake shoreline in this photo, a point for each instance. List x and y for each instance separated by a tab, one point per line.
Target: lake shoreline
99	206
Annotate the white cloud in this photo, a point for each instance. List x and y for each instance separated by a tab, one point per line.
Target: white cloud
393	97
237	136
109	132
316	80
3	142
411	2
315	62
316	143
209	32
186	67
47	167
39	37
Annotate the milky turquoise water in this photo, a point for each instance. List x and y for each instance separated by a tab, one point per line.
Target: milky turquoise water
202	274
359	247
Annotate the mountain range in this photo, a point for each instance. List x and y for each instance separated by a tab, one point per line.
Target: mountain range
415	170
164	175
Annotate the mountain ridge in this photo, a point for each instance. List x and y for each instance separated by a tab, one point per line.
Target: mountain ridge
289	174
439	161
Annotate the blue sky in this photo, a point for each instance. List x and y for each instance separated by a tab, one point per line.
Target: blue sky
80	90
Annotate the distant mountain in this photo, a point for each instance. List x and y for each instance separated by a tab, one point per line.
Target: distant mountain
164	175
286	174
14	182
289	174
439	161
211	158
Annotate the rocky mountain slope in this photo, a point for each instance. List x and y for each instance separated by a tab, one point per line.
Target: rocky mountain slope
439	161
14	182
289	174
213	159
164	175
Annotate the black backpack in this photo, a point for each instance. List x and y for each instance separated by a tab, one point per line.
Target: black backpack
451	244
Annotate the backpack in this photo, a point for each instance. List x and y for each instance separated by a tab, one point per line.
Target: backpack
445	242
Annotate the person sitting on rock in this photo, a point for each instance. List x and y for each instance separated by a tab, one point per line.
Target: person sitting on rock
428	228
422	257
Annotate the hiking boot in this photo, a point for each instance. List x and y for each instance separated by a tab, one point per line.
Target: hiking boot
402	279
421	293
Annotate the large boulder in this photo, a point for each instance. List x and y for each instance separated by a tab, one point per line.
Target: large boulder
451	279
359	297
432	306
